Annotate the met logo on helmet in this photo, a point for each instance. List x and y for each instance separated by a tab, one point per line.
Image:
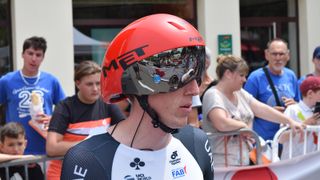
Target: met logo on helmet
197	38
125	60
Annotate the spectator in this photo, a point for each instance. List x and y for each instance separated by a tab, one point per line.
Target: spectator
142	146
285	85
195	116
80	115
303	112
316	62
12	146
228	107
16	89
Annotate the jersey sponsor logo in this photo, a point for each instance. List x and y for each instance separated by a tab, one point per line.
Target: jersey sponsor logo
125	60
128	177
179	172
138	177
208	149
174	158
137	163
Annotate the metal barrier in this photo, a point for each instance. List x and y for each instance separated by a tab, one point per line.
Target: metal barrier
25	161
277	138
253	134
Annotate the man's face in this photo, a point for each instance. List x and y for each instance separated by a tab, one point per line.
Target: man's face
32	60
173	108
13	146
277	56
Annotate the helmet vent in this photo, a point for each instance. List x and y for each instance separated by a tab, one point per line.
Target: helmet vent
176	25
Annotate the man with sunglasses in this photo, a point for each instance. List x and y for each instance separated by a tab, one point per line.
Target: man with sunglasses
156	62
283	79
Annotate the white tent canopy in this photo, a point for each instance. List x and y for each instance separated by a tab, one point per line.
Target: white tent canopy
80	39
84	45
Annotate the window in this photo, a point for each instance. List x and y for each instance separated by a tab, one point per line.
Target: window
262	21
6	63
103	19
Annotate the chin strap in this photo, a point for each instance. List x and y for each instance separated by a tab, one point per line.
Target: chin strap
143	101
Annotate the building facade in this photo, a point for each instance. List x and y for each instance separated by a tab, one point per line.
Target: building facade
239	27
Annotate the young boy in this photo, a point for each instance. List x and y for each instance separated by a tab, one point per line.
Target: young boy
303	112
12	146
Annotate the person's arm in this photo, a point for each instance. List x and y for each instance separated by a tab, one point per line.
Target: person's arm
264	111
220	120
9	157
298	116
56	146
80	162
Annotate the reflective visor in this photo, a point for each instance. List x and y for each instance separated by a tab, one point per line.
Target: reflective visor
165	72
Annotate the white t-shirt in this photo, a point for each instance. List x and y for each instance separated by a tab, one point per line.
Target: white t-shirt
298	112
241	111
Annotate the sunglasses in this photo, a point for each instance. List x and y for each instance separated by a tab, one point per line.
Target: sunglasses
165	72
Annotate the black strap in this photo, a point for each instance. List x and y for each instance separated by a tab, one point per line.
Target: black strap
143	101
276	97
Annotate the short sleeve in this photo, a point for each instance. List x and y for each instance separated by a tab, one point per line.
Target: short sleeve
116	114
60	118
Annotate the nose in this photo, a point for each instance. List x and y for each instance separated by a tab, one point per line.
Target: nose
34	57
16	150
192	88
96	87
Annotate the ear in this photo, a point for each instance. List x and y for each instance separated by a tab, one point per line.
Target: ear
310	93
77	82
288	56
25	143
228	74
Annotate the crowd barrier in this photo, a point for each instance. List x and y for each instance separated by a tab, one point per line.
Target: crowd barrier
41	160
305	166
315	130
274	146
246	131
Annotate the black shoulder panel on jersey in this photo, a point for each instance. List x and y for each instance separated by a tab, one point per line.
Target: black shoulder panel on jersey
90	159
196	141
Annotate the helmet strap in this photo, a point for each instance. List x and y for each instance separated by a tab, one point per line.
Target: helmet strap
143	101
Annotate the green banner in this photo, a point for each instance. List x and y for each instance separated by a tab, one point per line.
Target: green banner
225	44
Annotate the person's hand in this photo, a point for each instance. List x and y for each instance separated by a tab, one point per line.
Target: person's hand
43	119
279	108
297	127
313	120
288	101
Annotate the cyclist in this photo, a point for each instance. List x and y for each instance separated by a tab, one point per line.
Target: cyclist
156	62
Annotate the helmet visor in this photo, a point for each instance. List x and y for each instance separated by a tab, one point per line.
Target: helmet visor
165	72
